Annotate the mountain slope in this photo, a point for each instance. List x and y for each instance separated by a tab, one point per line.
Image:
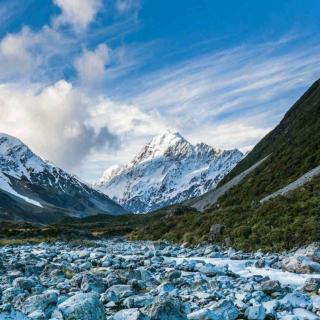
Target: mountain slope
288	154
293	148
168	170
37	187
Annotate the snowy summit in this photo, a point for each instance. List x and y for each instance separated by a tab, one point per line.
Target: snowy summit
168	170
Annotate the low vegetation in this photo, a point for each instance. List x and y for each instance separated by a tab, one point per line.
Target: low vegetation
281	223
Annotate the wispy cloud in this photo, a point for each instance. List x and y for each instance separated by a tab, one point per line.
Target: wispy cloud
248	87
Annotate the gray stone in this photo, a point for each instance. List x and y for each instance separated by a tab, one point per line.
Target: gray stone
216	230
166	308
256	313
82	306
129	314
270	286
312	285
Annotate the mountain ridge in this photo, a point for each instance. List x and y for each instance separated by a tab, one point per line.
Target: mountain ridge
26	176
168	170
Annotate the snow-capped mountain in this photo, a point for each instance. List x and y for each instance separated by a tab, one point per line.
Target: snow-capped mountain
28	184
168	170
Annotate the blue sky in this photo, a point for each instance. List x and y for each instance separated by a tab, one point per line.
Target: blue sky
85	83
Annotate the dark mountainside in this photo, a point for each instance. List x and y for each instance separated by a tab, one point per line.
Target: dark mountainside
293	146
283	222
35	190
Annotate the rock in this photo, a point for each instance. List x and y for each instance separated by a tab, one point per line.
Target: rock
312	285
165	287
166	308
129	314
270	286
256	313
260	263
91	283
203	314
118	293
216	230
305	314
296	300
159	245
316	302
225	310
312	251
270	307
138	301
24	283
174	275
13	315
300	264
45	303
210	270
82	306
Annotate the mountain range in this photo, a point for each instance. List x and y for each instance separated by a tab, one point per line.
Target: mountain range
35	190
168	170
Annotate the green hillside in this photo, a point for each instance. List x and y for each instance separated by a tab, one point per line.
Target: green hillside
281	223
294	149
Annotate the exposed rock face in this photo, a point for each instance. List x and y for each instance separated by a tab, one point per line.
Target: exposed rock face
168	170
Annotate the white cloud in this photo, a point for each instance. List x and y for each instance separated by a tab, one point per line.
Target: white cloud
233	97
32	55
126	5
15	55
77	13
54	121
90	65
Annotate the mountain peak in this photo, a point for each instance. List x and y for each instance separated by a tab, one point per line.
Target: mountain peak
168	170
165	144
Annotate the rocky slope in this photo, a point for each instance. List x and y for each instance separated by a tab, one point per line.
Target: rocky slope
119	280
32	189
168	170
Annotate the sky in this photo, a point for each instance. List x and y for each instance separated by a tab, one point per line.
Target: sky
86	83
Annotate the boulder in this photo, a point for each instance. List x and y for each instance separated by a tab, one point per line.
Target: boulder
210	270
166	308
216	230
118	293
129	314
256	313
270	286
81	306
296	300
45	303
312	251
203	314
24	283
225	309
300	264
138	301
92	283
312	285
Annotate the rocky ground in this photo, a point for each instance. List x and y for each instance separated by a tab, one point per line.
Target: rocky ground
120	280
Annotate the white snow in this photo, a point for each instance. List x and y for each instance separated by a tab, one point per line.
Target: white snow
168	170
5	185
